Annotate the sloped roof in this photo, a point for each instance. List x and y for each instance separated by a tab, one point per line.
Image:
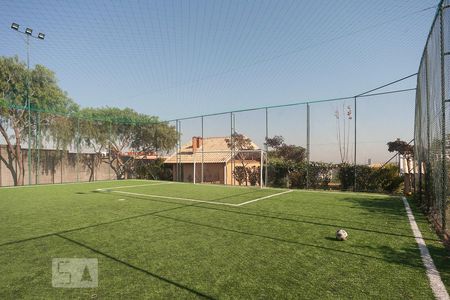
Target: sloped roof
215	150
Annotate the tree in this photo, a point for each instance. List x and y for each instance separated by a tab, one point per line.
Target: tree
44	95
343	124
403	148
154	136
370	179
275	142
115	131
406	150
284	151
284	160
238	142
154	170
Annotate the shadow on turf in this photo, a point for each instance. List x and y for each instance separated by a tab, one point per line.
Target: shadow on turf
384	206
93	225
403	256
272	212
376	205
388	254
229	210
179	285
239	211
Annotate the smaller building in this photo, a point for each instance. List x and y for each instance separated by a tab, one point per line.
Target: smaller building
215	158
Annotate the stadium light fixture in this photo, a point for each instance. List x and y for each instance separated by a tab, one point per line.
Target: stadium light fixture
28	33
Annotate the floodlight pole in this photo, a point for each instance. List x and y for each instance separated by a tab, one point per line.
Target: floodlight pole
29	107
28	33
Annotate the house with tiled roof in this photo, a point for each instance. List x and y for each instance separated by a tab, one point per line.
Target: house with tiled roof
212	157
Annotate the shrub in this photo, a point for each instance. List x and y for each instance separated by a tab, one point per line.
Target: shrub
240	174
253	175
389	178
295	174
278	172
153	169
370	179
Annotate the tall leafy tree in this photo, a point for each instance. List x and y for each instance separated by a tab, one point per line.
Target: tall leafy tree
407	151
116	131
238	142
402	148
44	94
284	159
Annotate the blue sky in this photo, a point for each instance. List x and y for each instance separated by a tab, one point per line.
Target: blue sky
181	58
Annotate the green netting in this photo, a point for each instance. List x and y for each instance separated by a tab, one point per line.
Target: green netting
431	120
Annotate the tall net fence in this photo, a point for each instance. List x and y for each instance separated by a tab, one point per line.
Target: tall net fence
38	147
338	143
431	120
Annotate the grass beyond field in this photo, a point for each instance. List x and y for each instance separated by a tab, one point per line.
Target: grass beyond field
171	240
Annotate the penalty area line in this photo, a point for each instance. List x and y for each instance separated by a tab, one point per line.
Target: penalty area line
173	198
192	200
436	284
132	186
262	198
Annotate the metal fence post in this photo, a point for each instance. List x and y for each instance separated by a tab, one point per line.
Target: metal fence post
109	150
178	168
231	149
266	173
354	154
261	169
428	198
203	152
308	142
443	142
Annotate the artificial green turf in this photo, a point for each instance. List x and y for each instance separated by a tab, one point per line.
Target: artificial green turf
149	247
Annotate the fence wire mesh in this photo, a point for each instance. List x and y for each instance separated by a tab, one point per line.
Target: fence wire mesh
313	144
337	143
432	120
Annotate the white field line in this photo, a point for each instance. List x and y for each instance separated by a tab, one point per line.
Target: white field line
262	198
66	183
173	198
132	186
230	186
436	284
52	184
343	193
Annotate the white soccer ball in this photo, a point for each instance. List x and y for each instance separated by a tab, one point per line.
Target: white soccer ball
341	235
